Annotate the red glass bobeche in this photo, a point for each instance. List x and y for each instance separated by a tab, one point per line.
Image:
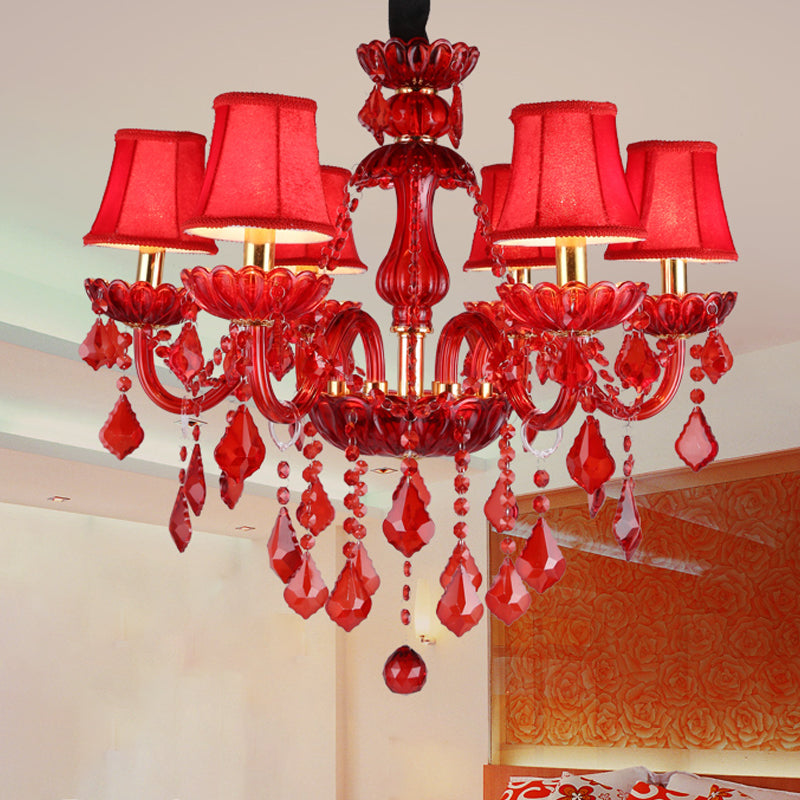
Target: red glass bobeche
139	304
685	315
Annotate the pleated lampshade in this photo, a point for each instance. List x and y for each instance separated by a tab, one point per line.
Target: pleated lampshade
308	256
675	186
263	171
567	179
494	186
152	188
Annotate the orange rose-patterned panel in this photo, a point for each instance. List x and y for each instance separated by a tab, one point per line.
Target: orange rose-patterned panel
695	643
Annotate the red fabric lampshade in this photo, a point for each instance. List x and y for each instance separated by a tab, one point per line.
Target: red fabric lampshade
152	188
675	185
494	186
308	256
567	178
263	171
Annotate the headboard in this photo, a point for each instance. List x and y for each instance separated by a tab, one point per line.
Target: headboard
495	778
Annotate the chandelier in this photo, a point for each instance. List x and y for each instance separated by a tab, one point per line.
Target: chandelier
262	184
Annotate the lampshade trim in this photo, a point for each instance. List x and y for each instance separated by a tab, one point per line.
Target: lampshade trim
534	235
139	134
678	146
557	106
202	245
265	98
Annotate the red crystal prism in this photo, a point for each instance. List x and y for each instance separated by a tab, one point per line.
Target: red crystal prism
404	671
461	557
596	500
501	508
194	484
508	598
365	570
306	591
460	608
240	451
696	444
541	564
185	357
230	490
589	461
715	358
315	512
408	526
121	433
349	602
284	552
627	524
98	348
636	363
180	526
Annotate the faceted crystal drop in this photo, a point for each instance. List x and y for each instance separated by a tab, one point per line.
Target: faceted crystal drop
365	570
240	451
349	602
461	557
422	489
280	358
97	349
180	526
283	549
185	357
696	444
230	490
627	525
195	483
589	462
500	499
508	598
636	363
541	563
715	358
404	671
121	433
408	526
596	501
460	608
306	592
315	512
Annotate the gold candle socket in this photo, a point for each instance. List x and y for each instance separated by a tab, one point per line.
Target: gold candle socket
571	261
151	265
674	276
259	248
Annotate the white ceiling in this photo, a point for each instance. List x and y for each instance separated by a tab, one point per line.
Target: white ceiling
723	70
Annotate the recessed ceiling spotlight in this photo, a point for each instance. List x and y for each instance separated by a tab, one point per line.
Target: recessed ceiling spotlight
245	528
58	498
384	470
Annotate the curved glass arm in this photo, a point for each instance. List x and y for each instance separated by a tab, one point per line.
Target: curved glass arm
483	339
155	390
659	400
536	419
341	334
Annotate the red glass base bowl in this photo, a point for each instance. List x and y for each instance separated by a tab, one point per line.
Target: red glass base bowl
381	428
139	304
685	315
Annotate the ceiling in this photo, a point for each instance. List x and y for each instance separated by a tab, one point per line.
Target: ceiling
705	69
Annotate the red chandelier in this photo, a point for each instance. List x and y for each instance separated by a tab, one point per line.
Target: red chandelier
262	184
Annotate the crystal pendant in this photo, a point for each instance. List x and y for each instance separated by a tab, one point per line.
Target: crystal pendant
98	348
596	500
349	602
121	433
461	557
460	608
365	569
627	525
589	461
715	357
185	356
500	499
541	564
180	526
315	512
408	526
508	598
306	591
636	363
696	444
230	490
280	358
195	483
283	549
404	671
240	451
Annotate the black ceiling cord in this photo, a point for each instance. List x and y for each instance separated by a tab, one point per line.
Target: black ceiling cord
407	19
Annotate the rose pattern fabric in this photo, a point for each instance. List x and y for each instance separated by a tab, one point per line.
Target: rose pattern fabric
694	644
